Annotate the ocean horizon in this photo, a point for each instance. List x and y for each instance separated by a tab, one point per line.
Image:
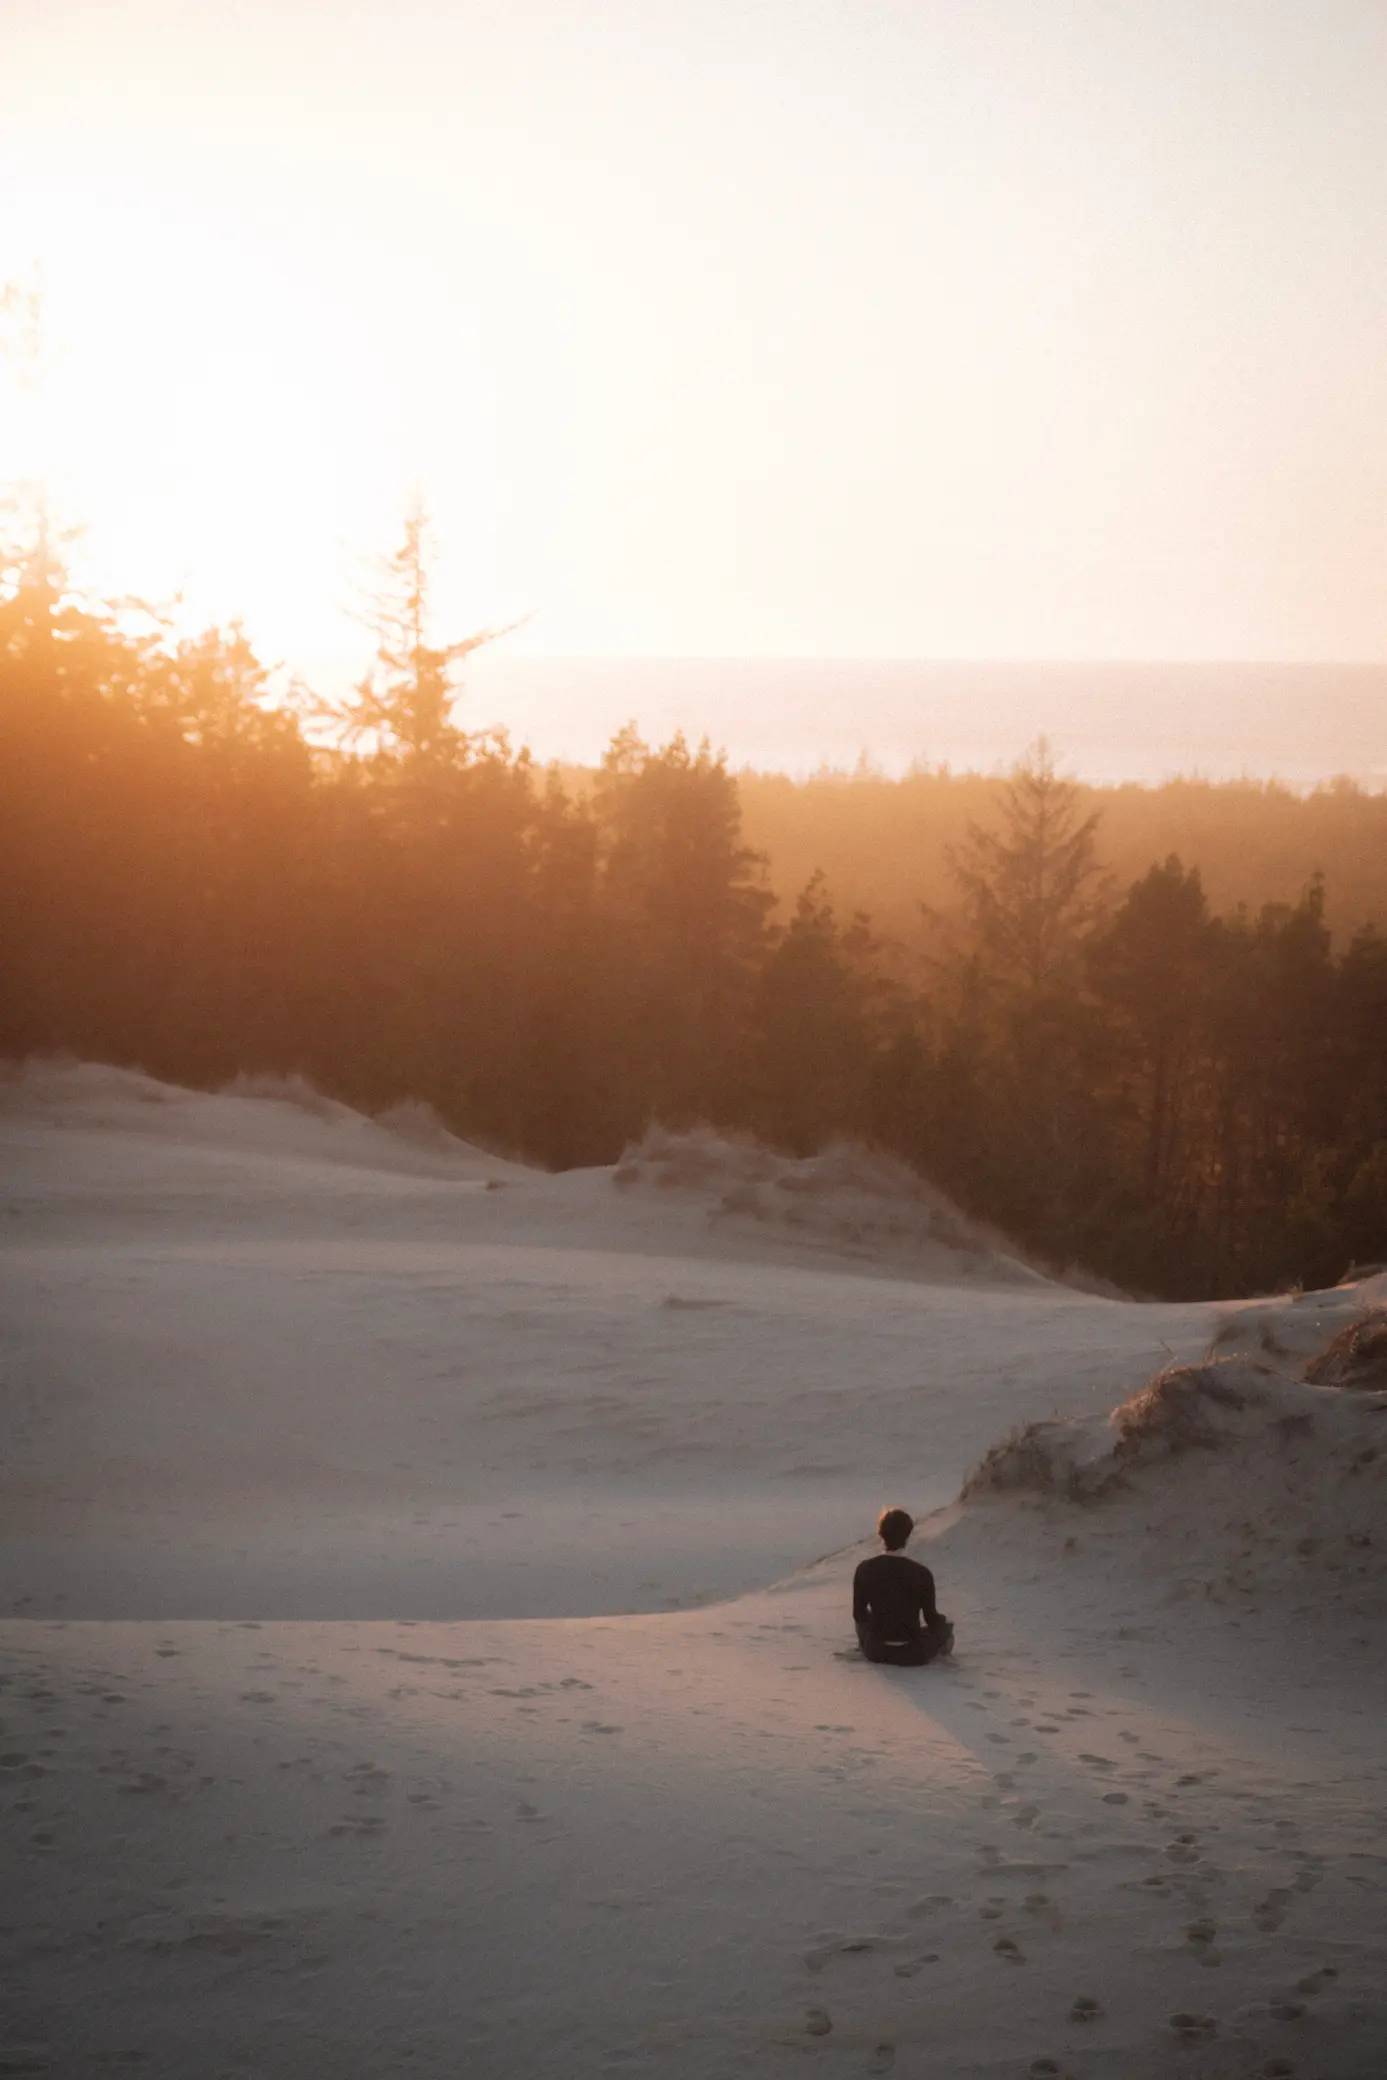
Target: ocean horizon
1302	724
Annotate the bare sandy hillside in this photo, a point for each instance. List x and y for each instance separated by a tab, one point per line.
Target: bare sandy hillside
426	1643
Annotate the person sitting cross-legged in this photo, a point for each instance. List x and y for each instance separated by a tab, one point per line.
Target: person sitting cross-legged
893	1606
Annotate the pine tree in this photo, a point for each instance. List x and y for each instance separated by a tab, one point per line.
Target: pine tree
1033	888
815	1042
406	702
684	911
1030	892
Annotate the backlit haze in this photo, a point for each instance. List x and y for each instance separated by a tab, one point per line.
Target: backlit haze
736	329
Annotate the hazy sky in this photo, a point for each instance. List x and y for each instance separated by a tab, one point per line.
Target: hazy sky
1001	328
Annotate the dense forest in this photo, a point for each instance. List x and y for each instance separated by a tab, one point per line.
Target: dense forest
1184	1093
885	844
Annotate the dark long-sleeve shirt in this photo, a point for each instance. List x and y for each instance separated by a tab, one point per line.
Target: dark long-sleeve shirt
891	1594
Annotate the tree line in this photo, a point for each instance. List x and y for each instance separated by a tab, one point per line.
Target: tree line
885	843
197	880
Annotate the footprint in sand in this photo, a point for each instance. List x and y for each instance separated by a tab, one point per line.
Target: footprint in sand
840	1946
1085	2008
1009	1951
908	1971
1268	1916
818	2022
933	1903
368	1780
1194	2029
882	2059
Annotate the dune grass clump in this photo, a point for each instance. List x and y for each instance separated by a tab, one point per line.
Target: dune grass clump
414	1120
1024	1459
292	1089
1176	1411
848	1196
1042	1459
1184	1408
1356	1358
694	1158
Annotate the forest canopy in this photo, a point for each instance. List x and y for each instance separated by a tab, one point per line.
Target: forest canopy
1117	1023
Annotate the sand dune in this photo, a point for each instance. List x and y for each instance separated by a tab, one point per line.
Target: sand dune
417	1658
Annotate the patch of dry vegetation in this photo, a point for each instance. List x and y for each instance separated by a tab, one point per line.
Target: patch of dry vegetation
1252	1472
1357	1357
854	1199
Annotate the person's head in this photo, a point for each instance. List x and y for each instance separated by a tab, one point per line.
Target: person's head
894	1527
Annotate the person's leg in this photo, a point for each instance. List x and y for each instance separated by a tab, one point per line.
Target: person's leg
900	1653
915	1653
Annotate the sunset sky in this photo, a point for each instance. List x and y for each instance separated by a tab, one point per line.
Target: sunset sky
937	328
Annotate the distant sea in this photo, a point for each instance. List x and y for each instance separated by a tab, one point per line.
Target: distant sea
1300	723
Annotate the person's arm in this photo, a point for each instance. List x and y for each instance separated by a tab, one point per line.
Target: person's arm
861	1602
929	1609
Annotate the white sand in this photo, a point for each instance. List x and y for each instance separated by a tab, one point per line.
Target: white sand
417	1660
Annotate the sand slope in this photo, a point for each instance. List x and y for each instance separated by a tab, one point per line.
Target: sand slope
417	1659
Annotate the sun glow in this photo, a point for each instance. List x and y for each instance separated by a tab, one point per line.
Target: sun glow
786	331
231	415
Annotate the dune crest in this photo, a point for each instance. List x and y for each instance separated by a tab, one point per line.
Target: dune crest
848	1198
1262	1473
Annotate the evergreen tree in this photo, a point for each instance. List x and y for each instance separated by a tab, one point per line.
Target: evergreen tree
1030	893
684	908
1032	889
407	699
1150	967
814	1042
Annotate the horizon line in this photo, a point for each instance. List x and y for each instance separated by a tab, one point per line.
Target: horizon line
1339	664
